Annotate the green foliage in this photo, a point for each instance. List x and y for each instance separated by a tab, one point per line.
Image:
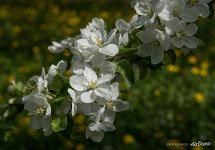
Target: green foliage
127	72
173	103
59	123
211	8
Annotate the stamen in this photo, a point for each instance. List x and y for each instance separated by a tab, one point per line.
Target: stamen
109	104
92	85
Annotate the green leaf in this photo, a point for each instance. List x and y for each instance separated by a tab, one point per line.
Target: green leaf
59	123
125	69
143	69
211	8
57	83
172	56
133	45
19	86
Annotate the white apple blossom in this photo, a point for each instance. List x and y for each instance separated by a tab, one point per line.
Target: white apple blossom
90	85
70	105
95	39
154	44
42	82
40	111
102	122
199	6
172	10
111	101
45	79
184	36
148	10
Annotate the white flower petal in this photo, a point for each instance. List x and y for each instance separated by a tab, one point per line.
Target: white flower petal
74	109
203	9
114	90
122	25
61	66
110	50
189	14
64	107
105	78
102	90
191	29
72	94
108	68
146	36
190	42
88	97
95	136
98	60
90	75
176	42
78	82
36	122
46	122
109	116
157	55
144	50
108	126
120	105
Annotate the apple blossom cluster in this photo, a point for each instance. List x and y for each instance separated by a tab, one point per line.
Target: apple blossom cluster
93	88
167	24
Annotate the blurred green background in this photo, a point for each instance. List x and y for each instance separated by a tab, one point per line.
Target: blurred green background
171	105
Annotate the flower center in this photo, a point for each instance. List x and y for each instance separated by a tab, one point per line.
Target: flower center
109	104
92	85
156	44
39	111
98	42
176	11
193	2
181	34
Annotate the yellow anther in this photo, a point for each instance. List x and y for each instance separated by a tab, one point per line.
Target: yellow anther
109	104
92	85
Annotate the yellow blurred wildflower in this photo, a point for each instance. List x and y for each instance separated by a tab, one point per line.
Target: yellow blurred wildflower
203	72
68	143
80	146
67	54
68	73
173	68
23	69
55	10
24	121
192	59
199	97
16	29
197	148
36	49
157	92
128	139
205	65
3	12
32	132
74	21
178	53
10	78
15	130
79	119
15	44
81	128
195	70
104	14
67	30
